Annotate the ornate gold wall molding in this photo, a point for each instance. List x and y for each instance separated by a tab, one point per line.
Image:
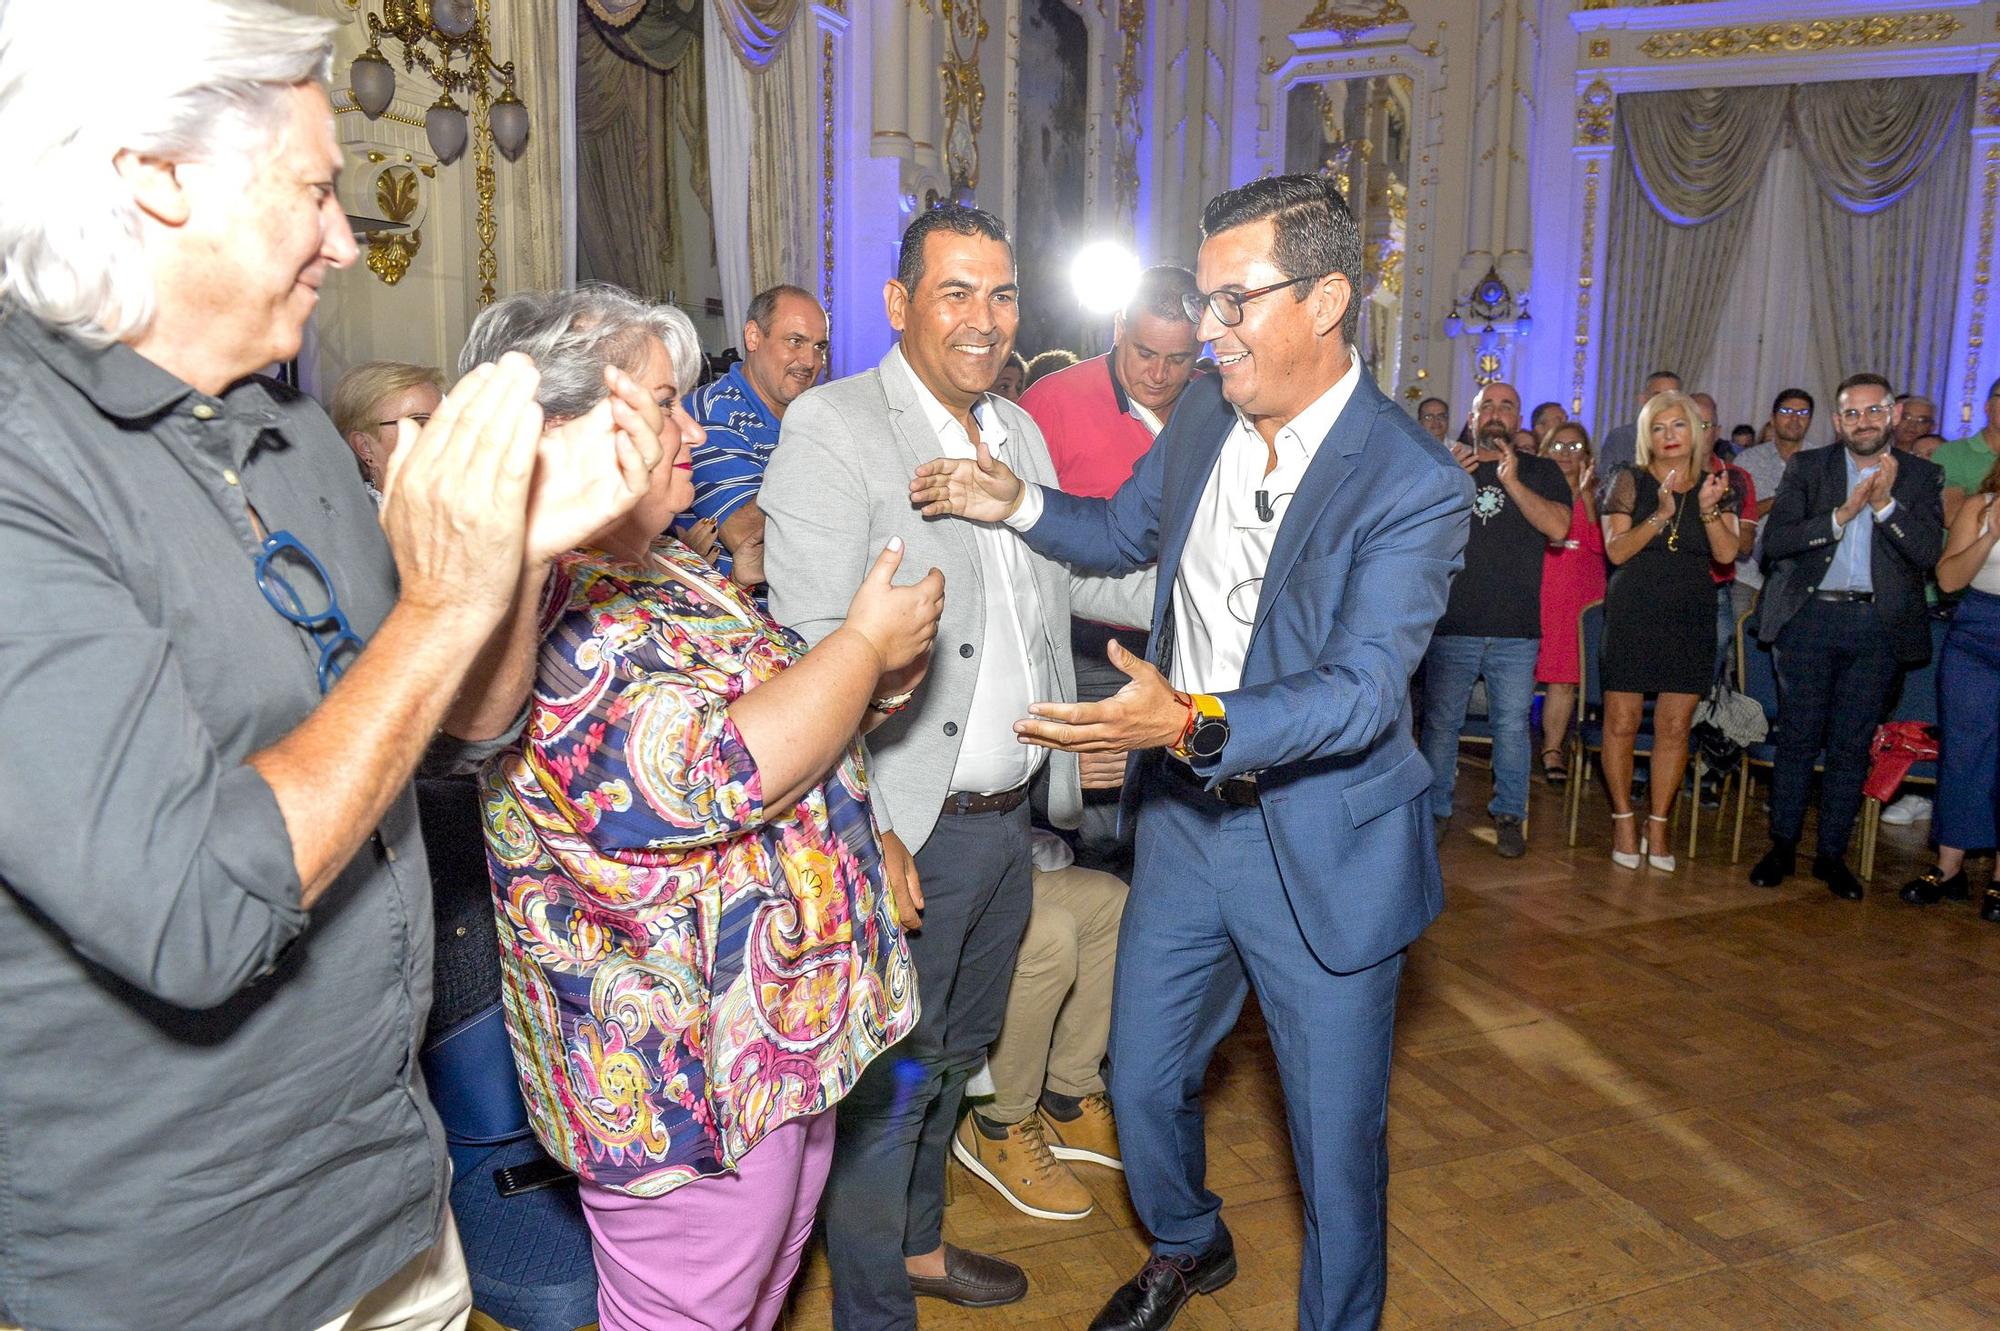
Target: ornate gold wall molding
1127	121
390	253
828	130
1588	5
1982	279
1812	35
1347	24
1592	175
1595	107
964	93
1989	96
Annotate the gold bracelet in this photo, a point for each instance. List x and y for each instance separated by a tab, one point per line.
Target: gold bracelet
1712	515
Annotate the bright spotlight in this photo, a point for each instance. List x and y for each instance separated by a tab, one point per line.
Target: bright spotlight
1105	275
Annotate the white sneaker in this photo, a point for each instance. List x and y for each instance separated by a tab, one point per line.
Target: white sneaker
1907	810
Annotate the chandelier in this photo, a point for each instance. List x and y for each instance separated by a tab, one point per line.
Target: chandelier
436	35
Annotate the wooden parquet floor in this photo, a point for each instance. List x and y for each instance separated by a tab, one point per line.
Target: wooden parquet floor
1621	1102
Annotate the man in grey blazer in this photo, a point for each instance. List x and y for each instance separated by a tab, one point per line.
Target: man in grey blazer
949	776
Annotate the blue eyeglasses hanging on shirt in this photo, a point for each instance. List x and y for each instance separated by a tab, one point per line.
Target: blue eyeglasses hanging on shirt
309	602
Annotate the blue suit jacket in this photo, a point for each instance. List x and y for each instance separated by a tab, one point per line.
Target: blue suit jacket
1356	582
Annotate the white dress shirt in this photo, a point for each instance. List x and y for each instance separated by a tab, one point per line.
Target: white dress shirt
1017	661
1229	543
1222	569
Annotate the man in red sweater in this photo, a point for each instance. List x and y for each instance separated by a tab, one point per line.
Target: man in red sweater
1100	415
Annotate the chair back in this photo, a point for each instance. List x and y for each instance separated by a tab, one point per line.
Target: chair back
1754	667
1589	643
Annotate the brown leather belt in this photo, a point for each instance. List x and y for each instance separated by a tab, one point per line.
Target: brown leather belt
1237	791
964	801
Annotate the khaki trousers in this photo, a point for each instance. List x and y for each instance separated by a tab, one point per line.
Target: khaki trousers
431	1293
1059	1006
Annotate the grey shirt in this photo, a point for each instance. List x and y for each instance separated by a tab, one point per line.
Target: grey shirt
210	1110
1767	468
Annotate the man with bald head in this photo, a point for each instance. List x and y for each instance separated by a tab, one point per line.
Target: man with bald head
1492	626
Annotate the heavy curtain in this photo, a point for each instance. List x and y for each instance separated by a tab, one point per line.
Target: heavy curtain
640	127
1705	238
1683	169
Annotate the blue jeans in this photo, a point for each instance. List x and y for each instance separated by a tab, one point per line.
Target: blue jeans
1451	667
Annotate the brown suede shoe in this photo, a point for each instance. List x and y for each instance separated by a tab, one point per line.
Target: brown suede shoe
973	1280
1092	1136
1022	1169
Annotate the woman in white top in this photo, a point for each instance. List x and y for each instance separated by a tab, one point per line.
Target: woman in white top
1968	685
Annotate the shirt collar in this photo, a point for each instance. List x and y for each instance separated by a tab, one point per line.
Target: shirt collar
117	380
1309	429
992	430
738	377
1126	403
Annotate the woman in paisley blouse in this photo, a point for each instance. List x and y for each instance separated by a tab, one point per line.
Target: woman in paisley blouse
699	954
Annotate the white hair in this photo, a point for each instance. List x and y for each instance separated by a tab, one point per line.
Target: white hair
186	81
572	335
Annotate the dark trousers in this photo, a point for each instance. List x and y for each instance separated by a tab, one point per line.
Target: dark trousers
1099	842
1968	686
1836	676
885	1194
1207	912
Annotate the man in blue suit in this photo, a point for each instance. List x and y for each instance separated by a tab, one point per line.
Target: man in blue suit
1306	532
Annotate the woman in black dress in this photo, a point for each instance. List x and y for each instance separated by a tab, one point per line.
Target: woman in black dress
1666	518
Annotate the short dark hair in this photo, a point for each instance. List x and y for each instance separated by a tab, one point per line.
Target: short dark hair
1314	233
953	217
1161	292
1750	430
765	305
1440	401
1866	379
1541	407
1788	394
1048	362
1662	374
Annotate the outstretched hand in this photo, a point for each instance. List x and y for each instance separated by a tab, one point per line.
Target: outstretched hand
980	487
1145	714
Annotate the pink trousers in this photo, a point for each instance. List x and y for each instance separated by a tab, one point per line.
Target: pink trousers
717	1254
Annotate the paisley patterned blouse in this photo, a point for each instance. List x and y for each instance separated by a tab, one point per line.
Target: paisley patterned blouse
683	970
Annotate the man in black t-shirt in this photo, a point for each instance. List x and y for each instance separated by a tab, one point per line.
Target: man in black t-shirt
1492	626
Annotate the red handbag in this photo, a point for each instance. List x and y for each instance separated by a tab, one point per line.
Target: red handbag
1896	747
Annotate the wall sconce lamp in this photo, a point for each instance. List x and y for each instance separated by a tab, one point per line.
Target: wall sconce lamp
434	33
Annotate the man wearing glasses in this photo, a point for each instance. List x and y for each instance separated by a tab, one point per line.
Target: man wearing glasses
1283	838
1434	414
1851	538
1764	464
218	673
1919	418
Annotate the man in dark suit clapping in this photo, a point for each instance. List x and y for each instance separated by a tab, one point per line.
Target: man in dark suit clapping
1849	542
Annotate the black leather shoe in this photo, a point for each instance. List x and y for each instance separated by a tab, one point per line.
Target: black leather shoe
1837	877
1989	908
1777	865
973	1280
1152	1299
1933	887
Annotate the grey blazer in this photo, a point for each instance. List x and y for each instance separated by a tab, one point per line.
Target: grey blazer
838	487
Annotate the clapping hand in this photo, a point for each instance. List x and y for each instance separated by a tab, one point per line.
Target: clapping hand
1669	498
900	623
980	487
1714	489
1882	486
1509	462
705	539
591	470
1856	498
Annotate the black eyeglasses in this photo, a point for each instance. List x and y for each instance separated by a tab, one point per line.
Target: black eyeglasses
1227	306
1795	411
317	609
